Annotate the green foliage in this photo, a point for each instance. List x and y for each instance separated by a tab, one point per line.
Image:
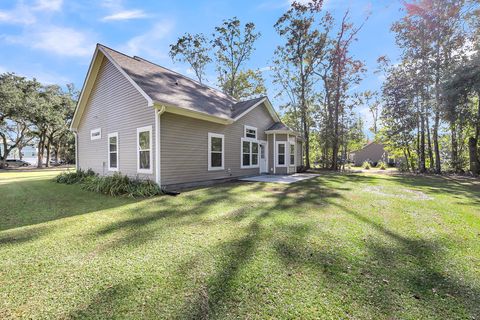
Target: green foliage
193	49
120	185
72	177
382	165
234	47
366	165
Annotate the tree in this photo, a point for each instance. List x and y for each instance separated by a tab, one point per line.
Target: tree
233	48
298	61
16	100
194	50
462	93
374	107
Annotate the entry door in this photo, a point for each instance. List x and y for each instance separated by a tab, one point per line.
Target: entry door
263	158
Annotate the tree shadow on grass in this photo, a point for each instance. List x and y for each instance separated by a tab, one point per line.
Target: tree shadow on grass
27	203
444	185
398	275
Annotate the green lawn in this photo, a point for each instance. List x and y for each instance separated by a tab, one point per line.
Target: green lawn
339	246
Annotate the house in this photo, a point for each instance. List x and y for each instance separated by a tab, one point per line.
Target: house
143	120
372	152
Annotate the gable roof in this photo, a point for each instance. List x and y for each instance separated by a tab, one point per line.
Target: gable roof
162	86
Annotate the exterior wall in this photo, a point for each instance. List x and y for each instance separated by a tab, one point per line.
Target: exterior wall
184	146
114	105
373	152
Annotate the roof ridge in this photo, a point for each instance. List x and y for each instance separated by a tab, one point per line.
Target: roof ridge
178	73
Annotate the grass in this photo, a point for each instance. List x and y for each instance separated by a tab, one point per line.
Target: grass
357	246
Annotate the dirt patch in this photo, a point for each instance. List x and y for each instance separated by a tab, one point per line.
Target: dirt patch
402	193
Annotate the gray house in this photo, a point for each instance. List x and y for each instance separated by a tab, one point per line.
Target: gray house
146	121
372	152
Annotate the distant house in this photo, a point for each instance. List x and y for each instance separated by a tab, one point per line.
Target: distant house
143	120
373	152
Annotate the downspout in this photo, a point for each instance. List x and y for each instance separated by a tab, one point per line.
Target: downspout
77	166
274	153
158	113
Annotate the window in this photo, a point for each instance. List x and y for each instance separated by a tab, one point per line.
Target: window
250	132
292	154
250	151
281	154
96	134
144	149
113	151
216	149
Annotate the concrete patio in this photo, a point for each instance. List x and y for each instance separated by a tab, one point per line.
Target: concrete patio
285	179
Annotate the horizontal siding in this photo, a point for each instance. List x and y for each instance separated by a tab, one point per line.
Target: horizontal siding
114	105
184	143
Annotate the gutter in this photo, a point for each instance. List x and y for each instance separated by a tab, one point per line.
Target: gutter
158	113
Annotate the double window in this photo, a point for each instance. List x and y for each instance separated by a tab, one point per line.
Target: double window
144	150
113	151
216	151
250	151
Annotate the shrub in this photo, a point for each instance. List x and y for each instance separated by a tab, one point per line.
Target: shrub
382	166
72	177
366	165
119	185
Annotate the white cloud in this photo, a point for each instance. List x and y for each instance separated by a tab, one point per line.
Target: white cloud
57	40
148	43
125	15
49	5
21	14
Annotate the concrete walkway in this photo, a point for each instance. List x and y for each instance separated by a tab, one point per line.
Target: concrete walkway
286	179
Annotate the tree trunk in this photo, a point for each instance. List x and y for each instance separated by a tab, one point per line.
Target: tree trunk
47	162
3	156
40	151
454	145
421	166
429	145
473	155
438	167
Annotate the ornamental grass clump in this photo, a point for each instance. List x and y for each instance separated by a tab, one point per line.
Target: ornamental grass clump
72	177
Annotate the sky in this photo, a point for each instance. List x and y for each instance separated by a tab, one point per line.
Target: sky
54	40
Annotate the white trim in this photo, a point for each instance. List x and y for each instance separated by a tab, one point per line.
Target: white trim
144	129
95	131
110	135
274	153
197	114
77	166
210	136
283	131
284	153
245	128
92	68
158	146
251	142
134	84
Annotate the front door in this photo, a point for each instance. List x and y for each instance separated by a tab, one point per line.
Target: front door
263	158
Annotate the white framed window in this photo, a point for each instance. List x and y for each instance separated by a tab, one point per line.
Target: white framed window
216	151
292	154
96	134
144	150
113	151
281	153
249	153
250	132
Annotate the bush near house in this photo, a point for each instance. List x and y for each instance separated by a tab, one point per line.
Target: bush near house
382	165
366	165
115	185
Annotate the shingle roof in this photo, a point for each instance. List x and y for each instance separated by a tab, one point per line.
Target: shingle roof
169	87
278	126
